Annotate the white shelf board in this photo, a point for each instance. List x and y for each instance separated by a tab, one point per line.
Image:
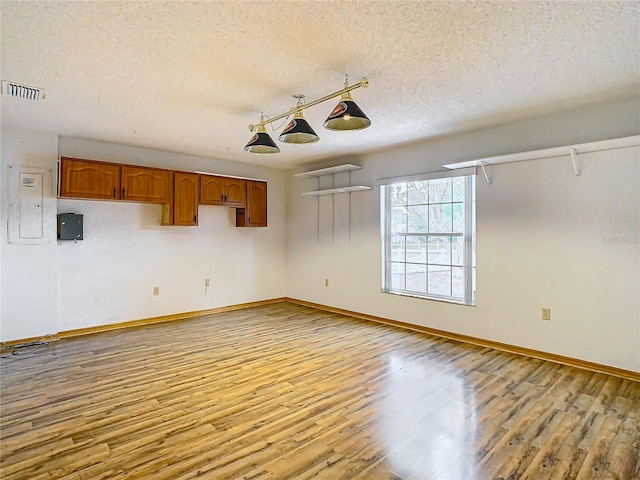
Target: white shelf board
329	171
331	191
551	152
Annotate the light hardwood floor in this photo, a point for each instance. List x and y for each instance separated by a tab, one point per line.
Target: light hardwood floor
289	392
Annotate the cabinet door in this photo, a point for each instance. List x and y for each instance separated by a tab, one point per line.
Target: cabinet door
185	199
141	184
88	179
255	214
211	190
235	192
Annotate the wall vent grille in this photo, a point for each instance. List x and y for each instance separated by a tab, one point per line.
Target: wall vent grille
13	89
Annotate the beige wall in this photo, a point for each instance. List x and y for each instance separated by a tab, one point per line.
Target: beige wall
109	276
28	294
545	238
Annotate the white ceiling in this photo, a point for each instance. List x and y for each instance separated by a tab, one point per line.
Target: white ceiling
190	76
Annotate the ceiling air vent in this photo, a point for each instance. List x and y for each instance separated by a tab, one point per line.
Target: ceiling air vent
13	89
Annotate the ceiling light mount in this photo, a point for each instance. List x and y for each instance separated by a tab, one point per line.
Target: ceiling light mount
298	129
344	117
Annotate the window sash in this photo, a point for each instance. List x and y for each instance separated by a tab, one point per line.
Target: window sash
467	244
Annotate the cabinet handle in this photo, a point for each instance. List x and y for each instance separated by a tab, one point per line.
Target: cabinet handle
195	219
122	192
114	192
249	221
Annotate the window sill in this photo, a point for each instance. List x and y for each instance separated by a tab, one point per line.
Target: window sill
434	299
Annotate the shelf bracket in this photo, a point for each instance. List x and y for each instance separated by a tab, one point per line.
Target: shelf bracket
318	211
484	171
574	161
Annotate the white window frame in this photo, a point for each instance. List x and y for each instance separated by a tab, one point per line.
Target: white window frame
468	233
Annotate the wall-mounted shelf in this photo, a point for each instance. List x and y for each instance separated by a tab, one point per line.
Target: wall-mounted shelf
571	151
347	167
331	191
348	189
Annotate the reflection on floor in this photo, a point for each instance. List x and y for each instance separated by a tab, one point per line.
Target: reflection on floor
288	392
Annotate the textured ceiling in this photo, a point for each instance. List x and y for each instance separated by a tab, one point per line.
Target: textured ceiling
190	76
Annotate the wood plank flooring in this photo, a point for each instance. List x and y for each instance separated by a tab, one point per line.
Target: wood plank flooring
289	392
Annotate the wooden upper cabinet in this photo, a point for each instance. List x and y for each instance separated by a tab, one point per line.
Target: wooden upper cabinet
255	213
231	192
211	190
256	203
111	181
89	179
235	191
143	184
185	199
180	193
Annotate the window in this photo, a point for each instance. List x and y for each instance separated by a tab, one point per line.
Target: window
429	237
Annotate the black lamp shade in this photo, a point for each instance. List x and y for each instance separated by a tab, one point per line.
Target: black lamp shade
346	116
298	131
261	143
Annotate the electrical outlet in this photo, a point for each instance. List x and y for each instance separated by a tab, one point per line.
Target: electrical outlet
207	282
326	282
546	314
156	290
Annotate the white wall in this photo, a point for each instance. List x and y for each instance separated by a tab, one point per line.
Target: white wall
109	276
29	276
545	238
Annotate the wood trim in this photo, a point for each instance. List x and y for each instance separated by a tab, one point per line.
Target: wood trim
63	157
163	318
481	342
20	341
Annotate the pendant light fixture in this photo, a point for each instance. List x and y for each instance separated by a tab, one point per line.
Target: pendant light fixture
298	130
261	143
344	117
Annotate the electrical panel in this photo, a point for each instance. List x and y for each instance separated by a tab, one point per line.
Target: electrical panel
31	206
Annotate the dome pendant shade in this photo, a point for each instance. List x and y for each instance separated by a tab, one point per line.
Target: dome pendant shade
261	143
298	131
346	116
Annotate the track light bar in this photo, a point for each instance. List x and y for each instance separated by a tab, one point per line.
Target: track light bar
364	83
345	116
